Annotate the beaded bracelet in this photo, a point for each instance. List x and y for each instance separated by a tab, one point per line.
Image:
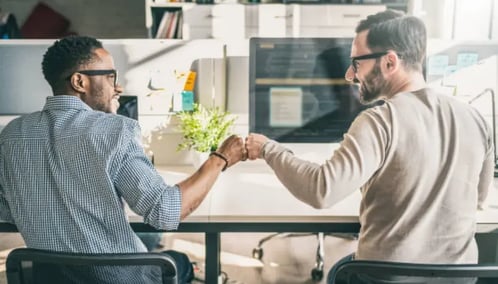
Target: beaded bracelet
221	156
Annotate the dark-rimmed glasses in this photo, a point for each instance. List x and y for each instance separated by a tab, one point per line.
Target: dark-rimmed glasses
355	59
100	73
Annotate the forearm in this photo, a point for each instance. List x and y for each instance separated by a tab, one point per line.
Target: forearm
322	185
304	179
195	188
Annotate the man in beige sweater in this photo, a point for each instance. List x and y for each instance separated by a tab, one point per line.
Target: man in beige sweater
423	161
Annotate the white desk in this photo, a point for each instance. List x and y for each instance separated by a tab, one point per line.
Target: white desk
250	191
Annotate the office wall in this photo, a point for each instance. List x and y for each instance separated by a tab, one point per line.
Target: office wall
98	18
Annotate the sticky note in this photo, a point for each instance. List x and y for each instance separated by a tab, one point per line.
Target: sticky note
187	100
190	82
437	65
466	59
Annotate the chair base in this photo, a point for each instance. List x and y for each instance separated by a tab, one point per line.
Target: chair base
317	271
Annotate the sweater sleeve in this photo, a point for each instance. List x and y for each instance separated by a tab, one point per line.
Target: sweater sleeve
358	157
486	175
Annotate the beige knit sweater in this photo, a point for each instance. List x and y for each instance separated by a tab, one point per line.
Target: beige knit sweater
423	162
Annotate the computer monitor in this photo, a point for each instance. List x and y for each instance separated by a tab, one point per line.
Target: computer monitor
128	106
297	90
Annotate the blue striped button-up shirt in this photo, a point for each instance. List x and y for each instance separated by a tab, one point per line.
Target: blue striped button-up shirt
64	172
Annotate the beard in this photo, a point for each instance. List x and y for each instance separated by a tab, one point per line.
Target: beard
101	100
373	86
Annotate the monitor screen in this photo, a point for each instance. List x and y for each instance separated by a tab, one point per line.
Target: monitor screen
297	90
128	106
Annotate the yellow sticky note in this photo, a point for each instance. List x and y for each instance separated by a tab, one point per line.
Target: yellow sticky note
190	82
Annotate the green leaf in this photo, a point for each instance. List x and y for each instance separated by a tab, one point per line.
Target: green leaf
204	129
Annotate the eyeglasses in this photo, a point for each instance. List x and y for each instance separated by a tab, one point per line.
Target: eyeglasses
354	60
100	73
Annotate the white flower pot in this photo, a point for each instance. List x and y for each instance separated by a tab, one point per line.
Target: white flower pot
198	158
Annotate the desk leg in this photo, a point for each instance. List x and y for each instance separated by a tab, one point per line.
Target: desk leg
212	257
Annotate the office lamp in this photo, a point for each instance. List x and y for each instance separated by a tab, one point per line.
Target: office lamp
493	113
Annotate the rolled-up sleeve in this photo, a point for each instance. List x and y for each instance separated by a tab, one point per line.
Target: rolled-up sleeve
5	214
4	208
145	191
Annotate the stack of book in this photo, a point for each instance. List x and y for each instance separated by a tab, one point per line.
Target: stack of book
170	25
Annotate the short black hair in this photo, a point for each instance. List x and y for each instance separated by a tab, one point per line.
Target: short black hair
393	30
66	56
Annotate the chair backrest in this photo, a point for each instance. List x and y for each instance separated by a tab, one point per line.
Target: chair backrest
360	271
26	265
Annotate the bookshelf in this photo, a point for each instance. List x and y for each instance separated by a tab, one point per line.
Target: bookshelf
188	20
167	23
165	19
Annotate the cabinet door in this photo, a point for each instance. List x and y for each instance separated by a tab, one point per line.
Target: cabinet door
275	20
197	22
228	21
198	15
214	21
339	18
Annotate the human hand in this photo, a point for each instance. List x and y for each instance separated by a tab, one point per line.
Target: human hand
233	149
254	145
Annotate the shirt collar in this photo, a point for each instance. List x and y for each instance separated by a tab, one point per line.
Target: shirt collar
65	103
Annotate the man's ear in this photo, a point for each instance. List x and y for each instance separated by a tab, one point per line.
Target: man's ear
78	83
392	62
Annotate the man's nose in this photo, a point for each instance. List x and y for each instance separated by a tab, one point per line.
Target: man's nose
350	76
119	89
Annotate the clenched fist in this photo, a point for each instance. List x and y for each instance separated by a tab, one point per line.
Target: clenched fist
254	145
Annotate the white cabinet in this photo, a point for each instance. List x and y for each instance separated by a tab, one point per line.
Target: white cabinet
228	21
214	21
275	20
332	20
197	22
239	21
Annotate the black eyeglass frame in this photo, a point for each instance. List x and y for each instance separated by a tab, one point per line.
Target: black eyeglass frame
99	73
374	55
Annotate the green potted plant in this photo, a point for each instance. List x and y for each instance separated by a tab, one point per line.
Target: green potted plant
203	129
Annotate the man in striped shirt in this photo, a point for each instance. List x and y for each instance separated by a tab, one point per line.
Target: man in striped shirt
65	170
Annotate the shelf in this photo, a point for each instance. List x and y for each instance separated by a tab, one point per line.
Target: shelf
203	21
172	4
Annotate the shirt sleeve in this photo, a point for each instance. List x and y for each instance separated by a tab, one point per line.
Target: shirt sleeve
4	208
358	157
5	214
145	191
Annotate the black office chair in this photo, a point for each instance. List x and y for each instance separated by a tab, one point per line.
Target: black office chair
26	265
317	271
377	272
